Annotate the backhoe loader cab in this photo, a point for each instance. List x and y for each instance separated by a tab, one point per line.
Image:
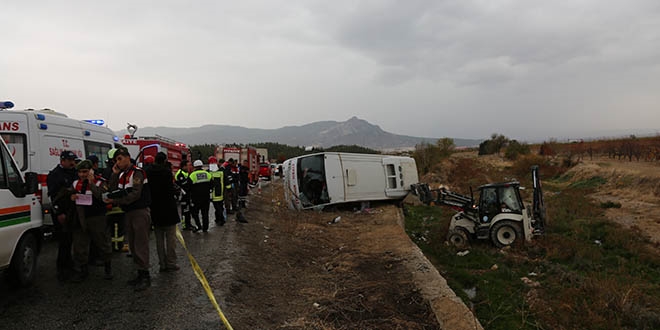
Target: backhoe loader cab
499	215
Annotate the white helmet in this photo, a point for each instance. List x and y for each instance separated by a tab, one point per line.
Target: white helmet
198	163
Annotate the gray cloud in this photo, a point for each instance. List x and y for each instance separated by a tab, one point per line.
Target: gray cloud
419	67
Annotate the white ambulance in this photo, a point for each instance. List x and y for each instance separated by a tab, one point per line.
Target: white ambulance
36	138
322	179
20	220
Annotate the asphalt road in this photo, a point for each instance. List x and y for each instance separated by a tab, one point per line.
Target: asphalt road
174	301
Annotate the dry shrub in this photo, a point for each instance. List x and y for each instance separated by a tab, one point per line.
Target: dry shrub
522	166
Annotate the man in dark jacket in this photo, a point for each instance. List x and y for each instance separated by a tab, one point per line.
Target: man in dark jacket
165	216
60	180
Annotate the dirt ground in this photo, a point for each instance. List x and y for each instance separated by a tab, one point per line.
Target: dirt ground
360	272
635	185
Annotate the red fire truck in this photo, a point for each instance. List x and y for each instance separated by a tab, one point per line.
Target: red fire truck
143	146
240	154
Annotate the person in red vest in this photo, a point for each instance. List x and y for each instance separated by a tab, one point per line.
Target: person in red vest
127	186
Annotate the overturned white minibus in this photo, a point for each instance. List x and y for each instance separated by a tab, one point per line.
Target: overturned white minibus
318	180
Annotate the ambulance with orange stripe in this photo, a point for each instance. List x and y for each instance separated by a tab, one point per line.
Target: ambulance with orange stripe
36	138
20	218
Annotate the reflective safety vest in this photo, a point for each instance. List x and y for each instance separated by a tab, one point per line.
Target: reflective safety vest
199	176
218	186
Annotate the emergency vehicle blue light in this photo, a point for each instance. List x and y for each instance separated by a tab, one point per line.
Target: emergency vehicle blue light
43	126
6	105
115	138
40	116
99	122
88	133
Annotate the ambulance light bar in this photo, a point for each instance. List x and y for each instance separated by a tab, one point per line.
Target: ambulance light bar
6	104
99	122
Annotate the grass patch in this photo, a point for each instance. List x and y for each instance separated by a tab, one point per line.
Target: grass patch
590	183
610	205
591	273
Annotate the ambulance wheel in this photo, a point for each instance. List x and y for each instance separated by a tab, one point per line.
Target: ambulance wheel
505	233
458	238
23	268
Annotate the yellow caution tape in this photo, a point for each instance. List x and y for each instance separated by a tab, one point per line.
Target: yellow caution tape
202	279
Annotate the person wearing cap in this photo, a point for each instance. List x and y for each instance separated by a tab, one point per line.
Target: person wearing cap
200	195
217	190
95	163
63	211
182	181
165	216
107	172
148	162
127	185
91	217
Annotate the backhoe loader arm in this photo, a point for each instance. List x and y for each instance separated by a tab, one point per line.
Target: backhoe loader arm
442	196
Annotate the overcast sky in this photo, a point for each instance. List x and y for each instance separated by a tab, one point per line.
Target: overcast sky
464	68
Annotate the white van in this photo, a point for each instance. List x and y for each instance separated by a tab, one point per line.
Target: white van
20	220
36	138
322	179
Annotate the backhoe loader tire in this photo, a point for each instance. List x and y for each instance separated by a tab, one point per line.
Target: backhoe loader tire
458	238
505	233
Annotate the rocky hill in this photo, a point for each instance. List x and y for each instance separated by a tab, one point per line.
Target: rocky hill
322	134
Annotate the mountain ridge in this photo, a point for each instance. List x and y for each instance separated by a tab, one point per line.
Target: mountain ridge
354	131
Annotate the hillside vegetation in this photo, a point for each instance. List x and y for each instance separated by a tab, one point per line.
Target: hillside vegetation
588	271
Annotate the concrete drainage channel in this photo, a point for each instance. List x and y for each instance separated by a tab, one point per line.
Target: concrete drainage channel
449	309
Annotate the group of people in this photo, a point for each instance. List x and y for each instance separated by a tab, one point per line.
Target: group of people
81	198
225	181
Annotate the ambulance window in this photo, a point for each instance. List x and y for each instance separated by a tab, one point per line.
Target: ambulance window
98	149
11	177
17	147
3	178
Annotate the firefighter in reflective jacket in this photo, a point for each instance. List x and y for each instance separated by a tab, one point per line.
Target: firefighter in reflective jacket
217	190
200	190
181	179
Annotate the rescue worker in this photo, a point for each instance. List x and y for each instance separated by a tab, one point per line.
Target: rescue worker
243	181
199	195
217	193
63	212
134	198
231	186
114	215
181	180
91	216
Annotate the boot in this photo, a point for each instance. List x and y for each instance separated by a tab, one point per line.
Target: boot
135	280
144	282
108	270
240	218
80	275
